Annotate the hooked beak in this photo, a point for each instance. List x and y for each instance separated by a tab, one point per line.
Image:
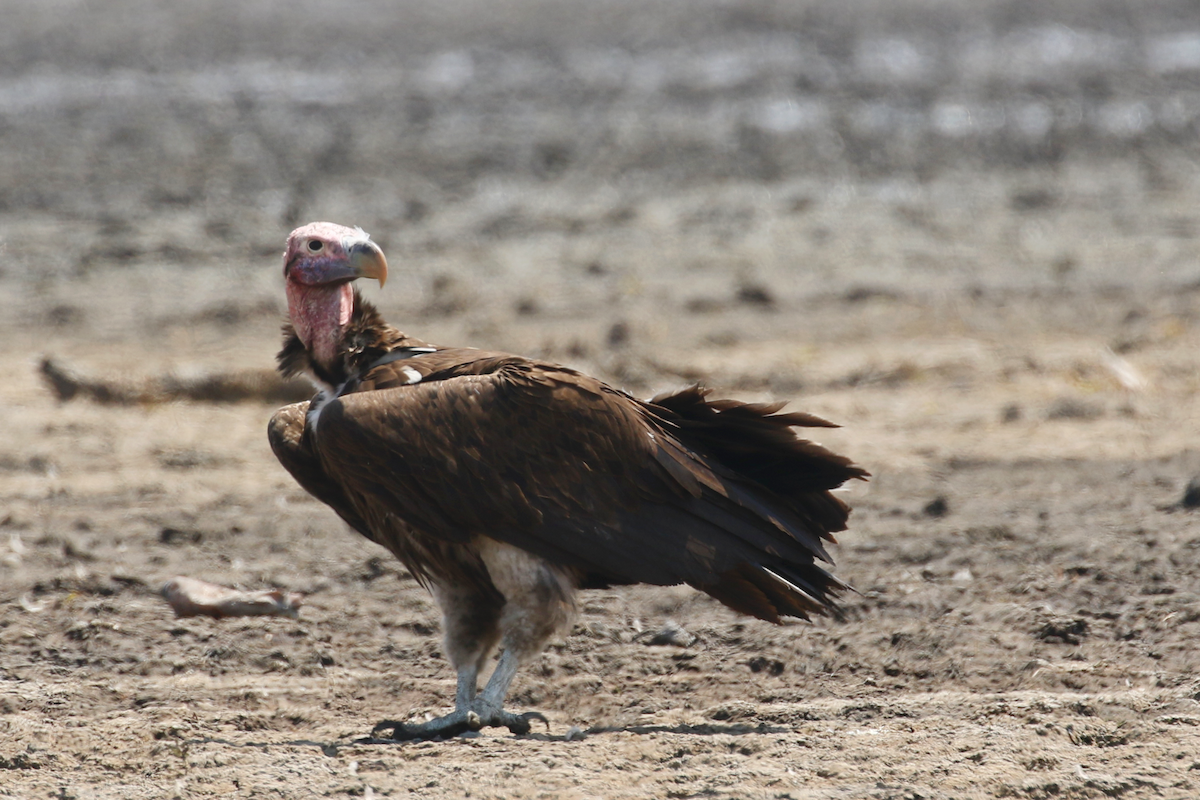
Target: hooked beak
367	261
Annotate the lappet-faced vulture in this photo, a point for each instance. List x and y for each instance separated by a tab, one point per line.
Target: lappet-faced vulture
506	484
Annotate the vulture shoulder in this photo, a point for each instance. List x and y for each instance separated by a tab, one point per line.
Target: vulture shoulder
293	447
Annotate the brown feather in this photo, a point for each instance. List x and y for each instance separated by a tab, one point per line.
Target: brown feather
429	452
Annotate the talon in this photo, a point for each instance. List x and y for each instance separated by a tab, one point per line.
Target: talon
520	723
400	732
397	728
474	721
518	726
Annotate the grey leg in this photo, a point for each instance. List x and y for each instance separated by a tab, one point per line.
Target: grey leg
470	625
532	600
468	685
502	677
490	704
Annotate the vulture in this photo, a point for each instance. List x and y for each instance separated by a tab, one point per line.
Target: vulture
506	484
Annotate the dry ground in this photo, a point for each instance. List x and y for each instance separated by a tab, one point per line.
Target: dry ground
966	231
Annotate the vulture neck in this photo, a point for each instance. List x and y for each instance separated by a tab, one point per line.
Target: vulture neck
320	315
331	338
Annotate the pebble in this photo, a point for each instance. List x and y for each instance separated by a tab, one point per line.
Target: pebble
1191	495
672	633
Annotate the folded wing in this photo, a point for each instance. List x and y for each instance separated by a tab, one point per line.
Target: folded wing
683	489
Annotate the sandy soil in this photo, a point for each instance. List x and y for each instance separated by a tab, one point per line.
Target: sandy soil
966	231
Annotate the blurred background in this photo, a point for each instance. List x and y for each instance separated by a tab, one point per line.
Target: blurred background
642	172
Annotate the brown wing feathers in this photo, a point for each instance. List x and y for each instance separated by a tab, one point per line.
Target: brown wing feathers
685	488
286	434
559	465
758	442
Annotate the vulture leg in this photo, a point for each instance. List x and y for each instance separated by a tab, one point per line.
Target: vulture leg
538	602
530	602
491	701
470	624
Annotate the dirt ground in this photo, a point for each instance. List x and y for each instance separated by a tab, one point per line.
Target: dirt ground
966	231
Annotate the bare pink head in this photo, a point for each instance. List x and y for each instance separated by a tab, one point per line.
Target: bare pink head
320	262
322	253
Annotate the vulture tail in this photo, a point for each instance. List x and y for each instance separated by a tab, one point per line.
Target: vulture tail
780	591
757	443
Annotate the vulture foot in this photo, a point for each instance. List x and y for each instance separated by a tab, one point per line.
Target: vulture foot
453	724
517	723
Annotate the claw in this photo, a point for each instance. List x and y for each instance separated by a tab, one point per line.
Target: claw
520	723
383	725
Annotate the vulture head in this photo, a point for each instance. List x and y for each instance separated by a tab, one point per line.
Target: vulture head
320	262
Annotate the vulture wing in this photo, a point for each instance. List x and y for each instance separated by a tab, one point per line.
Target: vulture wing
717	494
294	450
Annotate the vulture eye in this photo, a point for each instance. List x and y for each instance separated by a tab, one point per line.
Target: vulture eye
314	246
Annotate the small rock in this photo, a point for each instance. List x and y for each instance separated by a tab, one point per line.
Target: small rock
1191	495
1032	199
771	666
731	712
176	536
704	305
575	734
1073	408
1067	630
861	294
672	633
937	507
755	294
527	306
